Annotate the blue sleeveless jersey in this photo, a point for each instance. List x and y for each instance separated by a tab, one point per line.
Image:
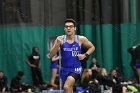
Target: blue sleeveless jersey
69	61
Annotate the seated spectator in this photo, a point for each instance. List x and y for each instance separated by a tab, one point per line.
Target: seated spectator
94	64
86	77
116	84
120	75
89	83
3	82
103	79
16	85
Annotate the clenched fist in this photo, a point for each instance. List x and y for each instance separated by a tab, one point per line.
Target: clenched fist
59	40
81	56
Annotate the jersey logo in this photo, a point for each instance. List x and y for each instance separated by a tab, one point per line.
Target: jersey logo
75	53
78	69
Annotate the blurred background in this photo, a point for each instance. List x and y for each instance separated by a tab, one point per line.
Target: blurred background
112	26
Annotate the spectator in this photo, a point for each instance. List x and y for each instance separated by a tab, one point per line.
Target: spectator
16	85
3	82
94	64
35	63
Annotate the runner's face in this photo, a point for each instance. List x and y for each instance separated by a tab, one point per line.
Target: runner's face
69	28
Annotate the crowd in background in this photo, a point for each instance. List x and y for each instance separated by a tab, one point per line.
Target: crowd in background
96	75
92	78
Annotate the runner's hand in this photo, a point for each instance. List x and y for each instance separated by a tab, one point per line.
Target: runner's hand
81	56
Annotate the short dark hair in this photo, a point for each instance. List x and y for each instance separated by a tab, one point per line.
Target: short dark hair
33	49
1	71
70	20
